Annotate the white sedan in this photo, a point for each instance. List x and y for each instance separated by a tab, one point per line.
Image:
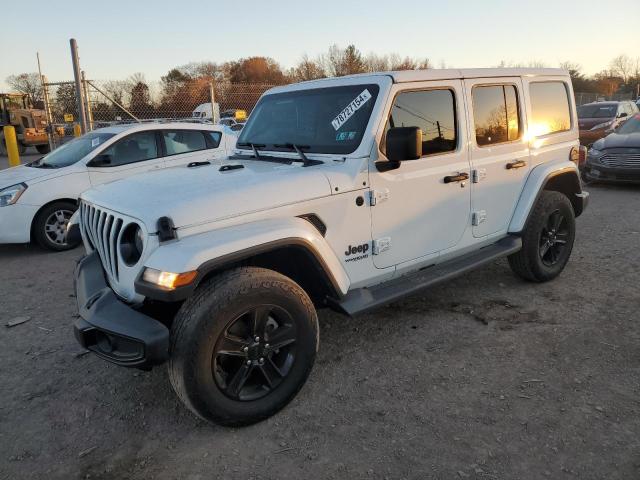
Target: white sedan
37	199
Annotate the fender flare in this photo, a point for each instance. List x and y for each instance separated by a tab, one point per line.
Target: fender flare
210	251
539	178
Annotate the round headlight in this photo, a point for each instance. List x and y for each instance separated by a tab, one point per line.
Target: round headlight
131	244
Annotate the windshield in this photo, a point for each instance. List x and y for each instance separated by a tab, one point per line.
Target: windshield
630	126
606	110
72	151
320	120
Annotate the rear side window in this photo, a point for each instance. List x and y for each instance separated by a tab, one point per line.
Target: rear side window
136	147
183	141
495	114
549	108
433	111
212	138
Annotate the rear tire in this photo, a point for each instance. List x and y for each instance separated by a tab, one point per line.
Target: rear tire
243	346
43	149
49	226
547	239
3	145
22	148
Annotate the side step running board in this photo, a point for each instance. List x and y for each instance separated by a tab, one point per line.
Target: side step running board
363	299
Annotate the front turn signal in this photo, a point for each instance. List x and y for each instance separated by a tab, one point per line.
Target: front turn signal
168	280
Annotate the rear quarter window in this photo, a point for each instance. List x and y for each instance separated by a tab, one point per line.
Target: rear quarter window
550	111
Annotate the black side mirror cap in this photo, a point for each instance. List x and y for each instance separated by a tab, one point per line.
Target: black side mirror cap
404	143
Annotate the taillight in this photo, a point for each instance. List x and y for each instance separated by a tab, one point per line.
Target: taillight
578	155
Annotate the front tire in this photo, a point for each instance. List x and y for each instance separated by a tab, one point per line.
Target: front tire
43	149
50	225
547	240
243	346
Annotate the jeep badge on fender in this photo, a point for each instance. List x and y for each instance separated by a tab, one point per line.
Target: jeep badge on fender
355	250
247	250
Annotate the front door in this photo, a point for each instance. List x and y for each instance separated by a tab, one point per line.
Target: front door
135	153
417	212
499	151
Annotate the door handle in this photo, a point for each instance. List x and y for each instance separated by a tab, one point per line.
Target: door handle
516	164
460	177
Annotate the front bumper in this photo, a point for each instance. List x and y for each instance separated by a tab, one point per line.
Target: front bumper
596	172
112	329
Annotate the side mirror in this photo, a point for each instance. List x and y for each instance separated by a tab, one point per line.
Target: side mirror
102	160
623	114
404	143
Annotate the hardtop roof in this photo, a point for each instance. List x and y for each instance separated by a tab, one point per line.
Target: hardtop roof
405	76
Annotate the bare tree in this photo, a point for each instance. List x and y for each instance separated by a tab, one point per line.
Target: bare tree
27	83
307	69
622	66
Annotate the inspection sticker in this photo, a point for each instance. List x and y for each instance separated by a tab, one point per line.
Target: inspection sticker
350	109
95	142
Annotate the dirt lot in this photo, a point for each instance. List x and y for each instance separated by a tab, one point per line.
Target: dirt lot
486	377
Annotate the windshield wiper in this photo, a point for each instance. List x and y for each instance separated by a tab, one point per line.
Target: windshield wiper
298	148
254	147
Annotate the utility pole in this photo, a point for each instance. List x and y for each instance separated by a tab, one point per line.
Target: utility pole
78	80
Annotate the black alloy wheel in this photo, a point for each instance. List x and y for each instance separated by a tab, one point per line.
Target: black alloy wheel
255	352
553	238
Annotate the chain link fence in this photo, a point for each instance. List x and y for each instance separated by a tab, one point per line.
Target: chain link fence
584	98
109	102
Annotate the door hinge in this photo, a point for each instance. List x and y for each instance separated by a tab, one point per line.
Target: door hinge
478	217
377	196
479	174
381	245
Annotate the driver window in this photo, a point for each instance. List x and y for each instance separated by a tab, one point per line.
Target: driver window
136	147
433	111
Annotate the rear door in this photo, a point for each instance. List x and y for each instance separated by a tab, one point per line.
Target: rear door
499	151
136	153
183	146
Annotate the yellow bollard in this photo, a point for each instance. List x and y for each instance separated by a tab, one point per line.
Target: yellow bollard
12	145
77	131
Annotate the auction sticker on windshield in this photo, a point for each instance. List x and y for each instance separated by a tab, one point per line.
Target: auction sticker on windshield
350	109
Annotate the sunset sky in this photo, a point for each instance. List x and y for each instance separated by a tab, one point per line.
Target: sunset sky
118	38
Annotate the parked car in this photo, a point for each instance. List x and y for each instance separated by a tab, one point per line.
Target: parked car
347	193
598	119
232	124
616	158
37	199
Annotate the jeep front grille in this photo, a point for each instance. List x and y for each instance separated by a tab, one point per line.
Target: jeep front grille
102	231
621	160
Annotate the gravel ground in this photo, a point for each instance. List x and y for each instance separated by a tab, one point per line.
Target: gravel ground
485	377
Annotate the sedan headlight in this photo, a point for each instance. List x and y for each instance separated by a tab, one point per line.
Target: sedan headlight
10	195
602	125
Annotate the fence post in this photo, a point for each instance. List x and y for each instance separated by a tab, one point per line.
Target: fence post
47	111
11	142
87	102
212	94
78	81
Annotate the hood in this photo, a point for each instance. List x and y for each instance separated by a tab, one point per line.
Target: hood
192	196
22	173
589	123
616	140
